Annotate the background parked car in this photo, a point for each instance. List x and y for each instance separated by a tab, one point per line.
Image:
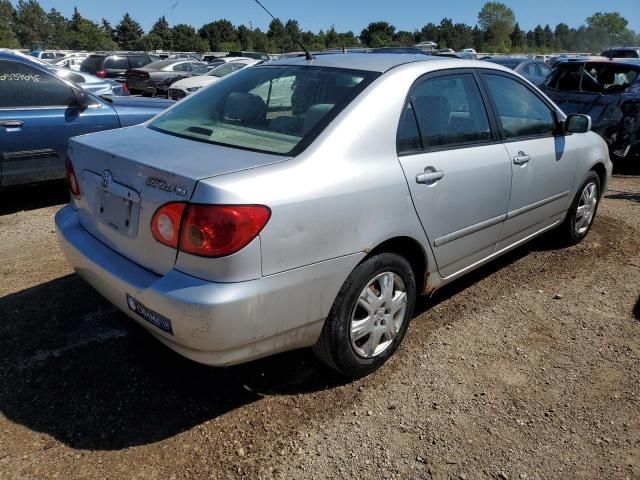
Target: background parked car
607	91
91	83
622	52
70	62
113	65
254	55
186	86
46	54
39	112
536	71
156	77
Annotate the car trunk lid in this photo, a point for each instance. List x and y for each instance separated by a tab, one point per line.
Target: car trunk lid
126	174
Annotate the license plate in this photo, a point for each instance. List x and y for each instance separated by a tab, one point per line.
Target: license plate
150	316
115	211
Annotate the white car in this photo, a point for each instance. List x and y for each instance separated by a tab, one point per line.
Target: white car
71	62
186	86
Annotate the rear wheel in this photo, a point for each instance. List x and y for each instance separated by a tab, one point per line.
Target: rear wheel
582	211
369	317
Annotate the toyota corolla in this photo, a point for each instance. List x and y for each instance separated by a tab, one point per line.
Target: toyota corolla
308	202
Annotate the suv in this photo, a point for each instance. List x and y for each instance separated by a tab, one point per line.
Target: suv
114	65
622	52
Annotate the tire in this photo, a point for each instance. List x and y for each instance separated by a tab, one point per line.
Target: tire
576	226
385	318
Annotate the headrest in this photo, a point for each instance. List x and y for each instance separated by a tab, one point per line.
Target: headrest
244	108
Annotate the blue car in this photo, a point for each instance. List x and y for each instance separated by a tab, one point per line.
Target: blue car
39	112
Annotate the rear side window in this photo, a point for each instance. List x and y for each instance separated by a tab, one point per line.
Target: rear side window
25	86
117	63
521	112
448	110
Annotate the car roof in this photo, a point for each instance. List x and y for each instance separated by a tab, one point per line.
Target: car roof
380	62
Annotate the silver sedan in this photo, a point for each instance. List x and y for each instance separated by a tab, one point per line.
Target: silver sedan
240	223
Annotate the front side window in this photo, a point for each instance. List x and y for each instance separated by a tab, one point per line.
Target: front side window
24	86
449	111
521	112
272	109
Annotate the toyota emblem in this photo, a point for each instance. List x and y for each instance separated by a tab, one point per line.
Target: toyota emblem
107	177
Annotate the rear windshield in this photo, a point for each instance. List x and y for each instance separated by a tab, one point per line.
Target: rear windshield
512	64
92	63
272	109
593	77
160	64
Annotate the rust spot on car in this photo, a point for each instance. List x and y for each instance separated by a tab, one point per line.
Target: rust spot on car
428	287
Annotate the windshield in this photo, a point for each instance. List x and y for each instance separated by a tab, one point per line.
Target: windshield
273	109
160	64
203	70
226	69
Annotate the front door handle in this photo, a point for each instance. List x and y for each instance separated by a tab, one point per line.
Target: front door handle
12	123
521	159
430	176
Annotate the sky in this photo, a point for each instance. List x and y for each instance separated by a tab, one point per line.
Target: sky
344	14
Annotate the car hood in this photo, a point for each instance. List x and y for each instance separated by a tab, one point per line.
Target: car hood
199	81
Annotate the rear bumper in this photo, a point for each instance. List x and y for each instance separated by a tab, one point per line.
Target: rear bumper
213	323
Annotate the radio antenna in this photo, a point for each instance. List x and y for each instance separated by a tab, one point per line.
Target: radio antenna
307	54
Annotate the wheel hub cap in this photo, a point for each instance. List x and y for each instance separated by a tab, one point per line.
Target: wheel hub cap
378	315
586	207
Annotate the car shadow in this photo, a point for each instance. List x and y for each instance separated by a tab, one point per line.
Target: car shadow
619	195
74	367
636	309
31	197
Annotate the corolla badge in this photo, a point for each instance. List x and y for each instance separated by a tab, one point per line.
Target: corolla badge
107	178
167	187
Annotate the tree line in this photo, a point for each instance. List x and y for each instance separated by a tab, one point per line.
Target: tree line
28	25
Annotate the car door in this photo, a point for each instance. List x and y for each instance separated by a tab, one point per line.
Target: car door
37	118
543	170
458	173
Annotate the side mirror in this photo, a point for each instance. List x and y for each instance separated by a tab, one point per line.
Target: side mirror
81	98
577	123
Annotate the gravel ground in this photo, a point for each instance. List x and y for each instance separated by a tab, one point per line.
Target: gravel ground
529	368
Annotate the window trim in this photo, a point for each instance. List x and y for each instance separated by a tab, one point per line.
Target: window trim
557	130
493	126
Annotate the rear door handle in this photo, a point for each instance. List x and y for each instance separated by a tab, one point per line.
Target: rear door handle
521	159
430	176
11	123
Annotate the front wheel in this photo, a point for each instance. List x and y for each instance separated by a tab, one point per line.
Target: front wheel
369	317
582	211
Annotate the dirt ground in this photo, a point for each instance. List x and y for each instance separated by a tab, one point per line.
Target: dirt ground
527	369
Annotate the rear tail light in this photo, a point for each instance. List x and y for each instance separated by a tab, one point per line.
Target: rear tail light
165	224
101	74
208	230
74	186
